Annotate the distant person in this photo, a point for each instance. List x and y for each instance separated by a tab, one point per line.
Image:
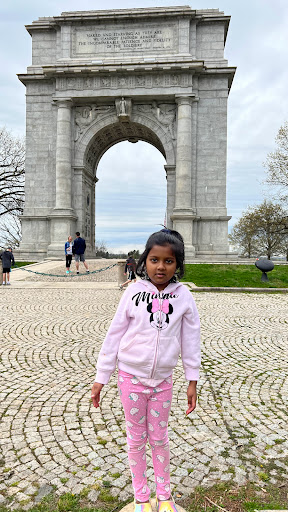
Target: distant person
78	250
68	253
7	261
130	269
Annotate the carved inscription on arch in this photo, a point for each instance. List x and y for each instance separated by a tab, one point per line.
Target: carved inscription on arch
101	41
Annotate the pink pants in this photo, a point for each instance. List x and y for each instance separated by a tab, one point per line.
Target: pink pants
146	413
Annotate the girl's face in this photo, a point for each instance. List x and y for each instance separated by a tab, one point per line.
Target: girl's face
161	265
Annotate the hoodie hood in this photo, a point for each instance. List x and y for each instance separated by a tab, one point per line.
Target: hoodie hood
170	288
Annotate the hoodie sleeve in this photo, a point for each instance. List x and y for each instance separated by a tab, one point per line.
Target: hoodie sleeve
190	340
107	358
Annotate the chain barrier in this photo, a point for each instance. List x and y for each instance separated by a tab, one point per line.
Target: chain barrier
65	275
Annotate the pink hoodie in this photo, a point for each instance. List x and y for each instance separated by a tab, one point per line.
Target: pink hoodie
149	331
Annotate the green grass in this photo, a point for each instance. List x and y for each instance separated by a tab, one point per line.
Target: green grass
23	263
236	499
72	503
247	276
227	495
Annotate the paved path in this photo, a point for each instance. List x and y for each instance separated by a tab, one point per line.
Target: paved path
51	435
55	272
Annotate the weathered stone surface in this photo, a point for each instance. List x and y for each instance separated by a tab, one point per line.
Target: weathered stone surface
43	491
155	74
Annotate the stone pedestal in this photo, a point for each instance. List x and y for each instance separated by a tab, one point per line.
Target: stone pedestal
121	276
130	507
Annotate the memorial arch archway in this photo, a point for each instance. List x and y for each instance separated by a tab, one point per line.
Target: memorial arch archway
100	77
92	145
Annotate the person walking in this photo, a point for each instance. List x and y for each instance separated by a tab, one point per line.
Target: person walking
78	249
130	268
7	261
68	253
156	321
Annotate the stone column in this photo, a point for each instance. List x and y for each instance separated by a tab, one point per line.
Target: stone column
170	177
63	155
62	217
183	213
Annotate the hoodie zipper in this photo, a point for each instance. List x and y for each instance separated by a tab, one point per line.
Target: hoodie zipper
157	342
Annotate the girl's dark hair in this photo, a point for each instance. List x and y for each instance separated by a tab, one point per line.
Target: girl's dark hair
164	237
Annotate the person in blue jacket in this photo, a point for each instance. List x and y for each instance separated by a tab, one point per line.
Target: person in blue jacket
79	247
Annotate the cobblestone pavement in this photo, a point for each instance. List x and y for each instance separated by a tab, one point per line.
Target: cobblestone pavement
59	269
52	438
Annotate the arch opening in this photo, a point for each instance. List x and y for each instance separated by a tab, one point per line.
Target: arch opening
131	195
115	133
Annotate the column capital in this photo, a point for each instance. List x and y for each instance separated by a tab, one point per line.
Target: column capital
63	102
184	99
170	169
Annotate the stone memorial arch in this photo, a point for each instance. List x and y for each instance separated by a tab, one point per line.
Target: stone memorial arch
101	77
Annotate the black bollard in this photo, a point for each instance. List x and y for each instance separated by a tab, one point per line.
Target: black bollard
265	266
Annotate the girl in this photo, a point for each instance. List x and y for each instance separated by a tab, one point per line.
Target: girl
129	270
68	253
156	320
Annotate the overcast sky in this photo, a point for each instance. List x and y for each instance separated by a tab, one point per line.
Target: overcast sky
128	210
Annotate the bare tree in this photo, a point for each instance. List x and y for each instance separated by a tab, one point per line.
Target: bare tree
284	244
277	164
262	229
243	235
271	225
101	249
12	173
10	231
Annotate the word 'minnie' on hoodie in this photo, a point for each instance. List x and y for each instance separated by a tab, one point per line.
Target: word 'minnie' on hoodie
148	296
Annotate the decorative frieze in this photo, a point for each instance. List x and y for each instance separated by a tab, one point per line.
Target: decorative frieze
85	116
165	113
135	81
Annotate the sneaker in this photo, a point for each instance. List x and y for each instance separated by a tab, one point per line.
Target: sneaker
3	283
67	271
142	507
120	287
166	506
77	272
8	283
87	271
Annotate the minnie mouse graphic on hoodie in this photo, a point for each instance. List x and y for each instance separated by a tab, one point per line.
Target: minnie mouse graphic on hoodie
149	331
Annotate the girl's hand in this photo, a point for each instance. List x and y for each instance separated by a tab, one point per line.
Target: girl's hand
192	396
95	393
